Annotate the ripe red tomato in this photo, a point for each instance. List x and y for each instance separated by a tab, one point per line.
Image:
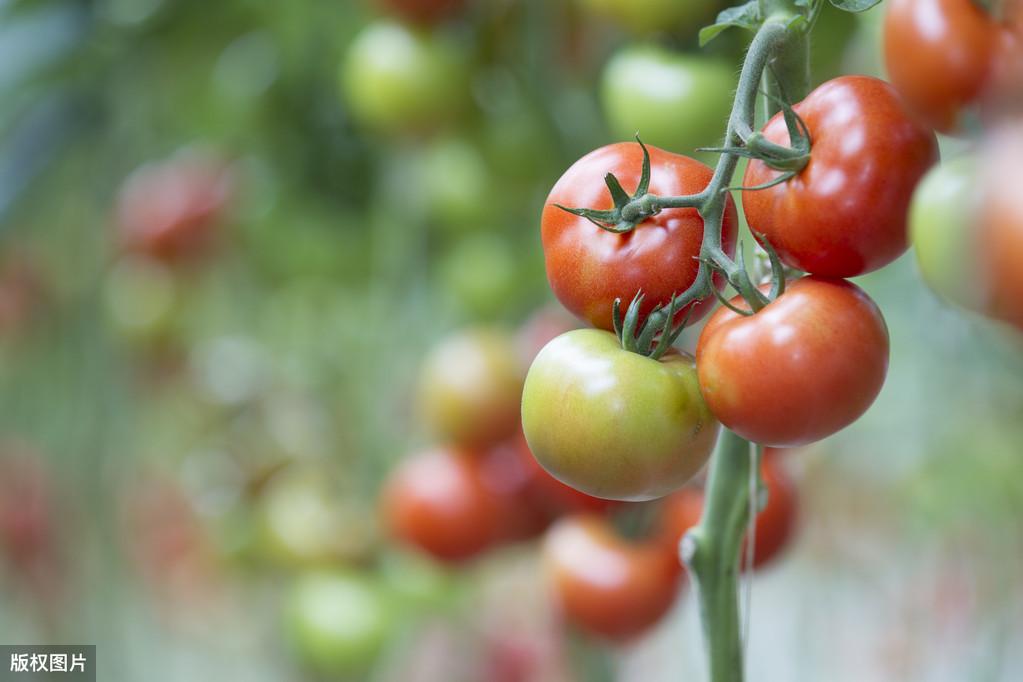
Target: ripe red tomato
606	585
509	478
774	524
845	213
805	366
423	11
470	387
946	55
168	210
588	268
438	501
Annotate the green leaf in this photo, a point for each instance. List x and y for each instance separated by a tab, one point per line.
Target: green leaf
744	16
854	5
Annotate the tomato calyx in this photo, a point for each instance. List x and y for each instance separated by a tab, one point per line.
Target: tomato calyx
658	331
630	210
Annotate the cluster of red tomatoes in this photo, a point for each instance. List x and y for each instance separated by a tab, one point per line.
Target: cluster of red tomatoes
613	567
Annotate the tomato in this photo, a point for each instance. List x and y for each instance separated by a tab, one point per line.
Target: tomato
169	210
588	267
457	184
805	366
774	524
399	78
301	520
942	230
652	16
940	55
845	213
439	502
338	622
423	11
549	495
540	329
605	584
612	423
470	386
508	476
481	275
1000	231
673	100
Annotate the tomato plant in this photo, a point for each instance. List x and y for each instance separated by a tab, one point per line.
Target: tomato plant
338	622
589	267
844	214
439	502
674	100
168	210
940	55
607	585
612	423
399	78
804	367
470	386
774	523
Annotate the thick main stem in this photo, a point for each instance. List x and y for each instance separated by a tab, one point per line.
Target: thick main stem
711	552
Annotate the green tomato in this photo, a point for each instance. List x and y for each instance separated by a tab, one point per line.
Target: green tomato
613	423
456	184
674	101
941	229
338	622
398	78
480	274
649	16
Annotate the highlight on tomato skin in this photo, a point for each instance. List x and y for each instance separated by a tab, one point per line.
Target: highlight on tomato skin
608	586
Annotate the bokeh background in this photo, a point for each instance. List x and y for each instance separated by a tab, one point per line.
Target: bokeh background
190	430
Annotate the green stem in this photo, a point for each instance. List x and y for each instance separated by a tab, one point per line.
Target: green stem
711	552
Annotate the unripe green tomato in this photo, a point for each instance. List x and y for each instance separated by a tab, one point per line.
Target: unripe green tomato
469	388
479	273
338	622
675	101
613	423
398	78
648	16
942	219
456	183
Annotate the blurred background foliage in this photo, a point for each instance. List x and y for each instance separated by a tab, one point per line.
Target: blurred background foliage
194	445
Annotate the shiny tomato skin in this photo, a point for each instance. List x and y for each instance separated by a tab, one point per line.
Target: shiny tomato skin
423	11
612	423
775	523
470	385
606	585
805	366
845	213
438	501
939	56
589	267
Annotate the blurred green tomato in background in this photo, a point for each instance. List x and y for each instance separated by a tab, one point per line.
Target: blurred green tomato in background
941	224
480	275
648	16
456	184
673	100
338	622
396	78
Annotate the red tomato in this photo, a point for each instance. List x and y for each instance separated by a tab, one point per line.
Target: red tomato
805	366
509	478
845	213
168	210
438	501
423	11
945	56
588	268
605	584
774	524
